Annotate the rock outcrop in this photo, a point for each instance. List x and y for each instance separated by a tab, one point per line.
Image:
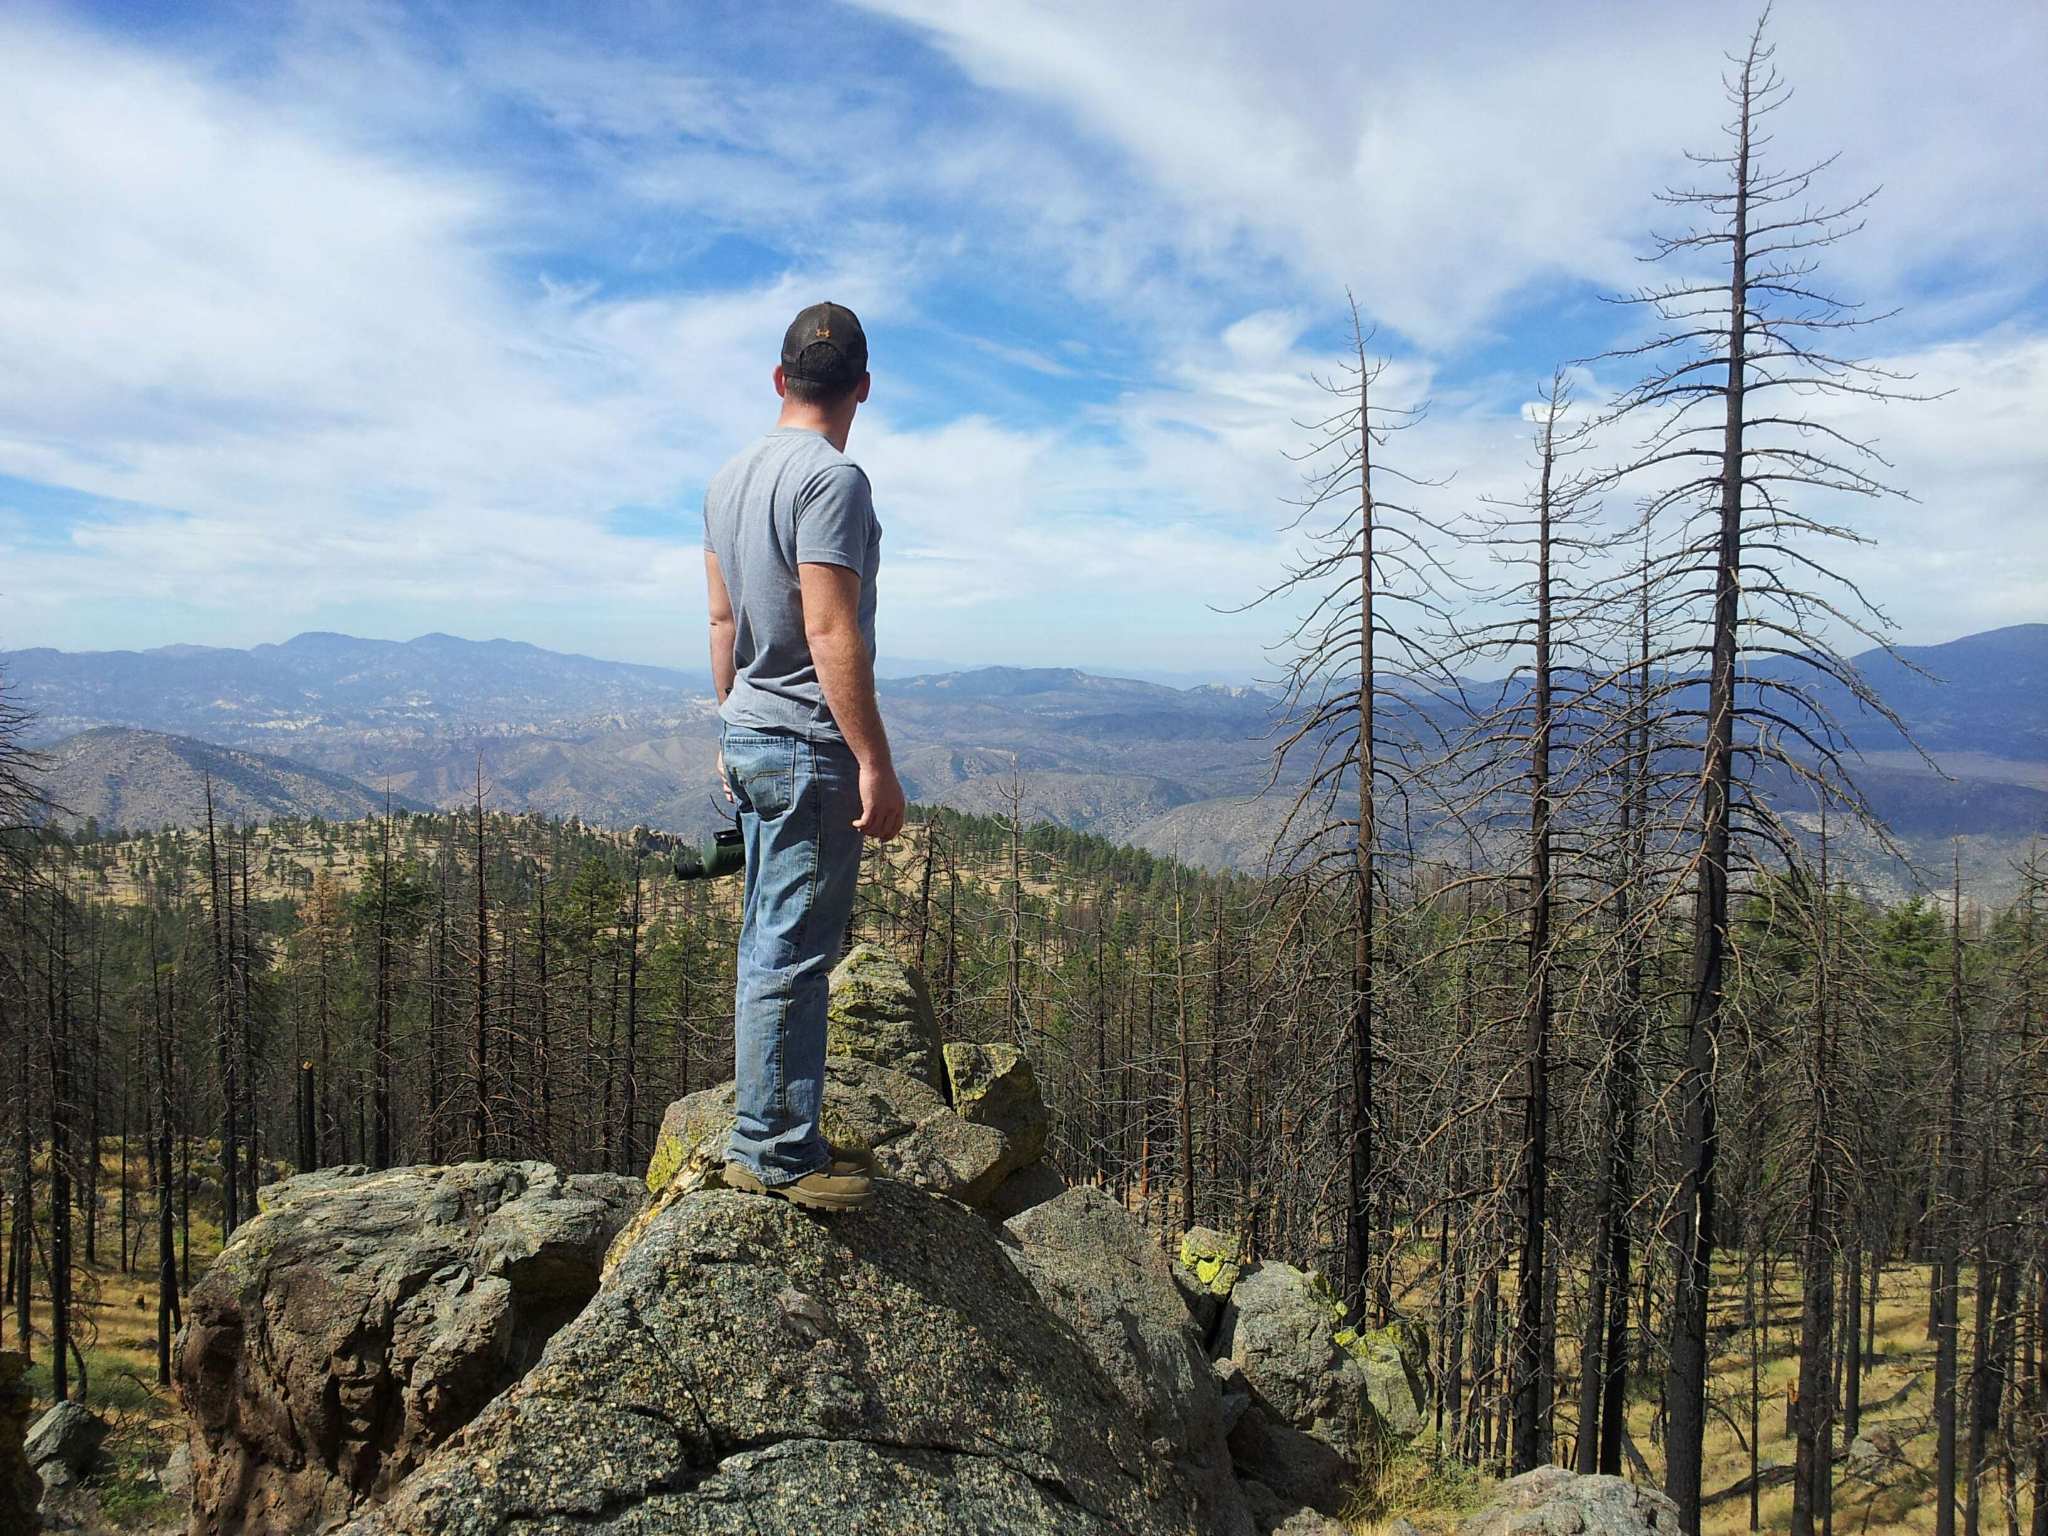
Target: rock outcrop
963	1121
881	1011
1552	1499
994	1085
949	1156
362	1318
64	1444
1394	1359
752	1367
1094	1267
914	1135
1308	1405
1303	1396
865	1106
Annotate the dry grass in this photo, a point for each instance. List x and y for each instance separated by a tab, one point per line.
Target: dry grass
1895	1496
114	1325
1898	1497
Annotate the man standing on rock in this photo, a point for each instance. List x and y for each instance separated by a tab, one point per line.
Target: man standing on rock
791	547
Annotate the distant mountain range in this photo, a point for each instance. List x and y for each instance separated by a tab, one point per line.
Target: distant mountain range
326	721
326	684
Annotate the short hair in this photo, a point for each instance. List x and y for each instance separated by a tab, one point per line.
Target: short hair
817	391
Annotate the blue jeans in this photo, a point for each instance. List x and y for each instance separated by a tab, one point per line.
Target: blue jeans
797	801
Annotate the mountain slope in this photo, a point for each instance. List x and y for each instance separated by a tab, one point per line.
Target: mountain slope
1985	693
143	780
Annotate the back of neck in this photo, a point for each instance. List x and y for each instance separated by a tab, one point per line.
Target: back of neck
833	426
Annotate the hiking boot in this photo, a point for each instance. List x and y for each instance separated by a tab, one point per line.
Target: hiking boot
847	1160
826	1190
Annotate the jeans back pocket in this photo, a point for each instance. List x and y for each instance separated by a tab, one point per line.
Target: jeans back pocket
762	767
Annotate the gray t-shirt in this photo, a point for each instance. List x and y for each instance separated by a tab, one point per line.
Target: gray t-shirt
790	499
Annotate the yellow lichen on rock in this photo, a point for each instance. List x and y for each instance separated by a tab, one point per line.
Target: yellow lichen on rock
1211	1257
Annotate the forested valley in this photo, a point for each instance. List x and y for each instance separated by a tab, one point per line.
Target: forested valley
213	1011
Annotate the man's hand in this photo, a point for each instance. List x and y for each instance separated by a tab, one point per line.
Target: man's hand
881	803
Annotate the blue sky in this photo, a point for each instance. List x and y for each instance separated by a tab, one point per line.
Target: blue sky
393	319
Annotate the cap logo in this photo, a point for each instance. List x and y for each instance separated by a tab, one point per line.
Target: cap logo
824	330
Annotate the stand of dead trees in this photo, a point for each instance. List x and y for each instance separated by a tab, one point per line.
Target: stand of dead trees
1193	1034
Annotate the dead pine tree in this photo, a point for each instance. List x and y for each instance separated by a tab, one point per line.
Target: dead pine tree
929	831
1948	1226
1526	731
1629	750
1016	1017
480	1017
1997	1414
161	1007
1184	1127
1370	579
630	1139
543	1068
1813	1470
244	961
22	807
224	1025
1745	365
440	984
57	985
380	1039
2032	1408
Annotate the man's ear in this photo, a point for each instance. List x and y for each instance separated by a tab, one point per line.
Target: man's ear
860	395
781	386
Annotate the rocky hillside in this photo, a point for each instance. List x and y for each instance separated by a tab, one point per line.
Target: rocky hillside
143	780
440	1351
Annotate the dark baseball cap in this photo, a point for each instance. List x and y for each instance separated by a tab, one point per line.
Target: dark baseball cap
825	346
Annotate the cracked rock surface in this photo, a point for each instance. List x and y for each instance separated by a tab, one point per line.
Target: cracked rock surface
1552	1499
752	1367
1094	1266
361	1318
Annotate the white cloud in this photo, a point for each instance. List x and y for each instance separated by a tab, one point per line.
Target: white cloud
310	358
1442	160
295	331
1968	553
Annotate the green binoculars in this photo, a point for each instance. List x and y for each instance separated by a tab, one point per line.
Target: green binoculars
722	853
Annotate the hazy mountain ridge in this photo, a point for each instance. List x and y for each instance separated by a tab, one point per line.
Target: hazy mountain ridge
1983	693
143	780
1172	769
318	684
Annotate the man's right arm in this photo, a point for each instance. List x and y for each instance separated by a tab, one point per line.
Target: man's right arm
718	603
724	665
831	596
